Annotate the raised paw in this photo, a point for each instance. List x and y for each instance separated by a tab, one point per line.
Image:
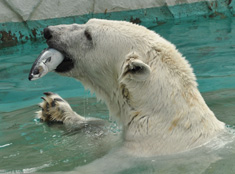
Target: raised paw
53	108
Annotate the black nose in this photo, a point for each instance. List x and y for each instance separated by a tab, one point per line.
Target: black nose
47	33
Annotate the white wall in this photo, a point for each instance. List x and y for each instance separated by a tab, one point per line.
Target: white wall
24	10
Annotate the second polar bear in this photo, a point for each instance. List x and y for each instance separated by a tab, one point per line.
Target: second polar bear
144	81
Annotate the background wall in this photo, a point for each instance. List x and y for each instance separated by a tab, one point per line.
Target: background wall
24	10
23	20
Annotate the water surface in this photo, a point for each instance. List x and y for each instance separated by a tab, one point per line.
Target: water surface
26	145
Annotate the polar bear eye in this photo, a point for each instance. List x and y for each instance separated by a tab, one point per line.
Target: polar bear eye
88	35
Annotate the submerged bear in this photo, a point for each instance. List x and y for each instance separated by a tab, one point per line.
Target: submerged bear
142	78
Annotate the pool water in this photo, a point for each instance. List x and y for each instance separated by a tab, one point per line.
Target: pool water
27	145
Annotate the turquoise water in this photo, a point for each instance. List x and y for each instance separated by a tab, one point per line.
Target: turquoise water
26	145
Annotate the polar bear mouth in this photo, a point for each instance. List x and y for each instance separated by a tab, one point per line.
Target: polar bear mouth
67	64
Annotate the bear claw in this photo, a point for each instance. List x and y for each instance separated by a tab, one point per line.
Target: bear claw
53	108
58	99
43	98
48	93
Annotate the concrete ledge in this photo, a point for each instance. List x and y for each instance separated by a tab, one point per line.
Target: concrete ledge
28	21
25	10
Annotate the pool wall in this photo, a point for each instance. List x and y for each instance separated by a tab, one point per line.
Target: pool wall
23	20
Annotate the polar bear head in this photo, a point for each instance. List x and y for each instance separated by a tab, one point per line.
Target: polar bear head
142	78
109	56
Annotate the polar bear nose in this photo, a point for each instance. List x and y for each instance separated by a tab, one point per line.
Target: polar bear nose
47	33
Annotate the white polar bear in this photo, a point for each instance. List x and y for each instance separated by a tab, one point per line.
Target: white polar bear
142	78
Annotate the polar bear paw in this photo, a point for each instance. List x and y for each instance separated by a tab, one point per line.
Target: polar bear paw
53	108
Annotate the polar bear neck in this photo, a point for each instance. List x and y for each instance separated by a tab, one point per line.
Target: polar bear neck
167	109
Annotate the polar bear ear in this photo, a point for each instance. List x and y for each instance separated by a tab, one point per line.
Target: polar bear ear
134	68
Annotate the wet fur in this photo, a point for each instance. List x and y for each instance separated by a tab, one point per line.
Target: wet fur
143	79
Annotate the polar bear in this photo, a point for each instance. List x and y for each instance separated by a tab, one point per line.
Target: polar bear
142	78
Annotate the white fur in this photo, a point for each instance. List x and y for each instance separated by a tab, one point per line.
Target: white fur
160	107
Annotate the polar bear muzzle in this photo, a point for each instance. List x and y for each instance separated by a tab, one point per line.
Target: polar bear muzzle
67	64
